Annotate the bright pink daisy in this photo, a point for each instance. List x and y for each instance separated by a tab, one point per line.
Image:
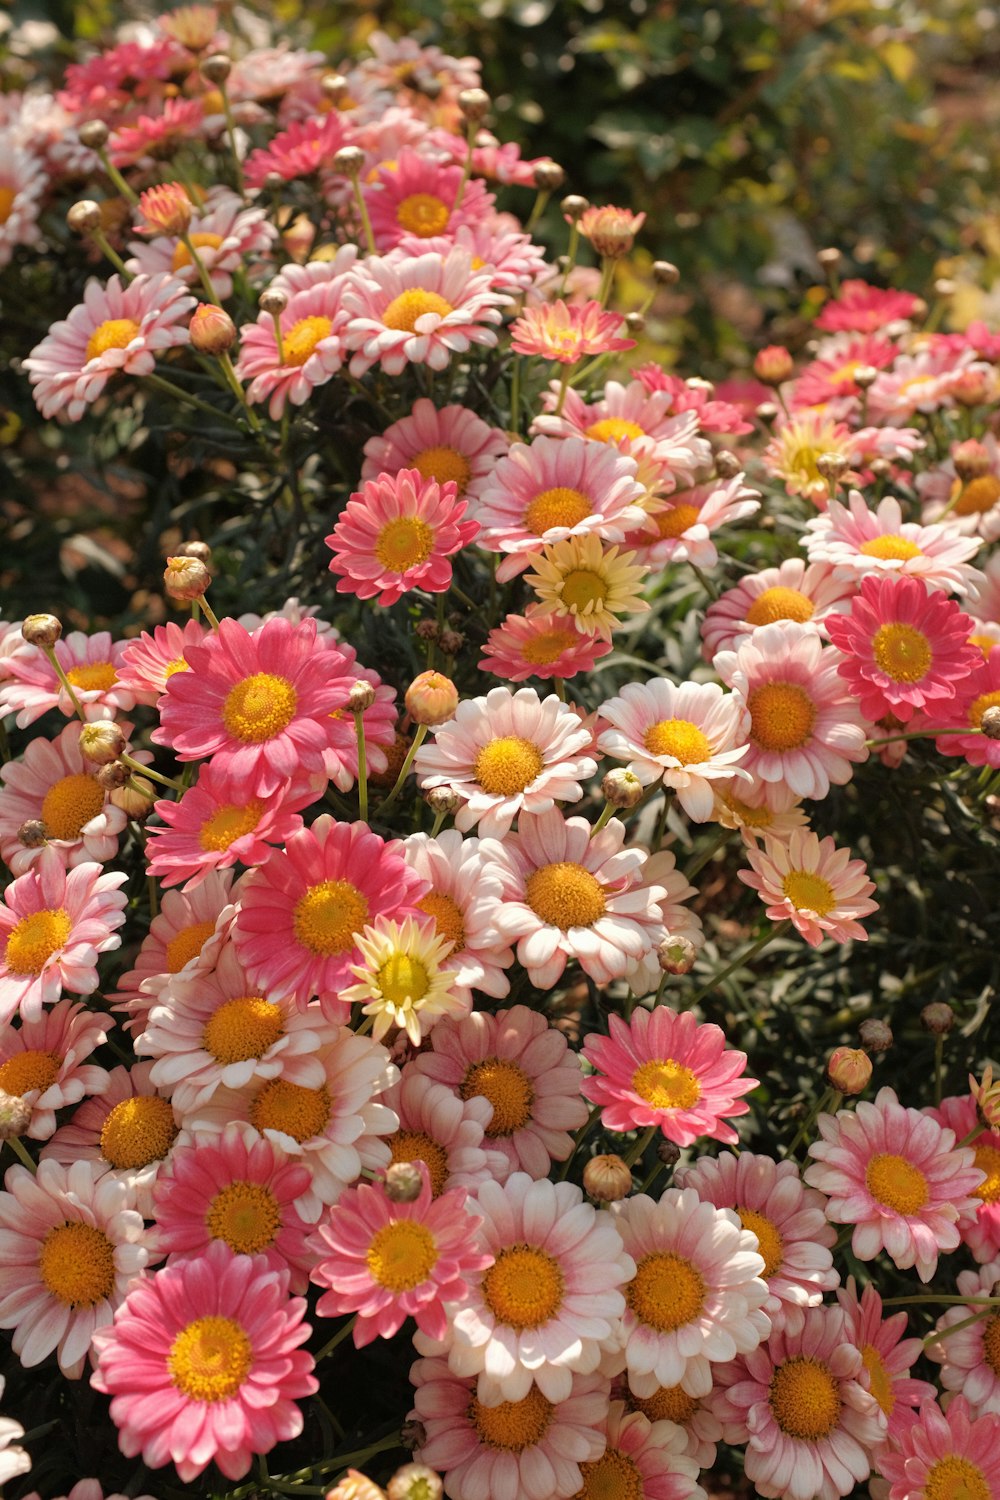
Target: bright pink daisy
813	884
43	1062
226	235
794	590
897	1176
416	196
186	938
23	181
980	1231
715	415
311	349
680	529
922	382
305	147
203	1363
149	136
444	1131
857	541
885	1354
302	910
664	1069
862	308
969	1356
980	691
649	1460
635	420
540	644
147	664
124	69
464	893
513	259
568	332
340	758
55	785
828	381
939	1453
31	685
446	443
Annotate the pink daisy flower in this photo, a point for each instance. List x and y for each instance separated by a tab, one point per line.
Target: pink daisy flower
799	1404
226	236
304	148
147	664
340	758
897	1176
514	261
649	1460
980	691
186	938
981	1230
53	924
714	415
805	730
676	919
664	1069
311	349
862	308
302	910
671	1403
973	504
396	534
553	488
419	311
118	69
939	1453
116	328
813	884
23	181
540	644
391	1261
415	196
970	1356
32	687
680	530
749	812
72	1245
828	381
444	1131
203	1363
43	1062
885	1354
523	1067
465	891
148	137
446	443
570	893
533	1447
634	419
922	382
789	1220
568	332
857	541
806	593
54	784
258	704
507	753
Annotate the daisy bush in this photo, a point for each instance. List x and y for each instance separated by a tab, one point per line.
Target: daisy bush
497	945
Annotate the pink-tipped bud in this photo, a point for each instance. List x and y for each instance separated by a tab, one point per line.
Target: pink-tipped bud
971	460
607	1179
431	699
415	1482
166	209
773	365
186	578
355	1486
676	955
41	630
972	387
849	1070
102	742
212	330
610	230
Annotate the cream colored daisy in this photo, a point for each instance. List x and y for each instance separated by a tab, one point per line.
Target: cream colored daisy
402	980
594	584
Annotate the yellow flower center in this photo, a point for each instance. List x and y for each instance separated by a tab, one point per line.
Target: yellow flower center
978	496
671	1403
7	197
402	978
442	464
187	944
296	1111
801	461
210	1359
769	1242
77	1264
523	1288
890	547
404	542
246	1215
513	1425
228	824
178	665
983	643
404	310
328	917
979	706
613	1476
507	765
299	343
113	333
896	1183
581	586
679	738
903	652
549	645
259	707
991	1344
402	1255
676	520
666	1292
447	917
507	1087
138	1131
35	939
558	507
753	817
27	1071
781	716
880	1382
780	603
95	677
203	240
805	1399
955	1478
414	1145
988	1161
809	892
565	895
423	214
70	803
241	1028
612	429
666	1084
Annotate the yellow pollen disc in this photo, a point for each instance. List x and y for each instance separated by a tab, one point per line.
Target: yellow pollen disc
983	643
7	197
611	1477
241	1028
955	1478
404	310
978	496
404	542
549	645
879	1379
442	464
979	706
769	1241
513	1425
666	1084
507	1087
780	603
180	665
507	765
896	1183
201	241
987	1160
77	1264
187	945
671	1403
296	1111
402	1255
35	939
246	1215
809	892
612	429
523	1288
424	215
113	333
991	1344
259	707
447	915
802	461
210	1359
328	917
565	895
414	1145
138	1131
890	547
95	677
70	803
903	652
666	1292
228	824
27	1071
843	373
753	817
675	521
581	587
558	507
679	738
403	977
299	343
805	1399
781	716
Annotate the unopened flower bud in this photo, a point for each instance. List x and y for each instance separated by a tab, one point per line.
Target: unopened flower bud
349	161
355	1486
727	465
166	209
451	642
573	206
945	287
334	87
403	1182
361	697
971	460
767	413
84	217
212	330
274	182
607	1179
41	630
431	699
33	834
15	1116
865	377
635	322
102	742
474	104
611	230
201	550
113	776
549	176
938	1018
972	387
773	365
829	258
832	466
990	722
93	134
427	630
701	385
415	1482
849	1070
621	788
217	68
186	578
194	26
668	1153
666	273
273	301
876	1035
676	955
443	800
880	468
412	1434
135	798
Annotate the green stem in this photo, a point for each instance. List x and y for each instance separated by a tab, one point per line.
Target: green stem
578	1140
359	730
938	1067
812	1116
515	396
101	241
538	208
239	391
943	1333
338	1338
141	770
209	612
607	813
638	1146
179	394
739	962
57	668
366	223
117	178
571	254
607	280
241	186
563	386
697	865
19	1151
709	587
404	769
944	1299
199	265
920	734
351	1460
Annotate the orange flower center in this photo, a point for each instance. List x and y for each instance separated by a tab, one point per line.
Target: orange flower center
296	1111
565	895
328	917
244	1027
671	1403
70	803
442	464
613	1476
955	1478
680	739
228	824
549	645
988	1161
7	199
879	1379
978	496
423	214
808	891
35	939
558	507
613	429
138	1131
77	1264
113	333
414	1145
676	520
667	1291
93	677
402	1255
805	1399
447	917
202	241
187	944
890	547
523	1288
27	1071
404	310
505	766
512	1426
903	652
896	1183
780	603
300	342
781	716
769	1242
404	542
979	706
259	707
246	1215
210	1359
507	1087
665	1083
